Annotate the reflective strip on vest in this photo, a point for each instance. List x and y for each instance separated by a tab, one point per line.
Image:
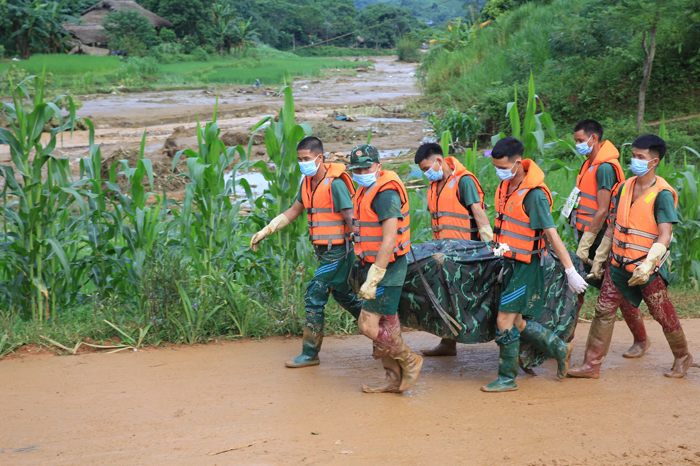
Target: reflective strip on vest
582	216
401	247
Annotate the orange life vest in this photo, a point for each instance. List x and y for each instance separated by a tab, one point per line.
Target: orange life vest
368	229
588	184
325	225
512	223
450	219
635	225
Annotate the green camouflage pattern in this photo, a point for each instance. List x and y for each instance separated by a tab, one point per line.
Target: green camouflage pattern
464	275
363	156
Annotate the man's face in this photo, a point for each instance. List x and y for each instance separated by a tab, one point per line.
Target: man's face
507	164
306	156
647	156
434	162
364	171
580	136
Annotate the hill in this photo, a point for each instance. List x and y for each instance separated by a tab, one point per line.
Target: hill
438	14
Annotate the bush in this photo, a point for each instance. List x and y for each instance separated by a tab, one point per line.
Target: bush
408	49
199	54
131	31
167	35
463	126
134	69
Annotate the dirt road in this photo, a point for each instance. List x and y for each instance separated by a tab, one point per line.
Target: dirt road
179	405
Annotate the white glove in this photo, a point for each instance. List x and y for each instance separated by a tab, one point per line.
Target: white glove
501	250
585	245
276	224
644	270
368	290
576	282
486	233
601	256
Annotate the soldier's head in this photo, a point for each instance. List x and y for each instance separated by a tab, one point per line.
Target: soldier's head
310	155
364	164
430	159
588	135
647	152
507	157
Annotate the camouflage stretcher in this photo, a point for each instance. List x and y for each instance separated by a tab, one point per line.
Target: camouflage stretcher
464	277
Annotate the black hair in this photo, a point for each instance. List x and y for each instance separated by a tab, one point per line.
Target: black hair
590	127
507	147
427	150
312	144
651	142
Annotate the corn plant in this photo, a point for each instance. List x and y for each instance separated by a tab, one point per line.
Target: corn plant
40	236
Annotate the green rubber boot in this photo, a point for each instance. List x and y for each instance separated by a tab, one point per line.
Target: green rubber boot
309	350
549	343
509	349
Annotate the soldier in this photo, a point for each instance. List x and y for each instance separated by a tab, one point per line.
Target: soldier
597	183
456	203
382	239
326	194
523	221
639	236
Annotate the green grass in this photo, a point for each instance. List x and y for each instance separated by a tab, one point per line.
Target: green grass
65	65
270	71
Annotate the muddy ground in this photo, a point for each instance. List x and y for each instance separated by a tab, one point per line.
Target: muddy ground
375	99
181	405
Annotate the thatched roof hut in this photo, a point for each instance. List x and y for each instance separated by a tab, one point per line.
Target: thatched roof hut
90	30
97	13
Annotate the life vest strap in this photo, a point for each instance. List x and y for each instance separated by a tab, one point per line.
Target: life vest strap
326	237
631	231
318	210
358	223
401	247
506	218
534	239
588	196
525	251
367	239
333	223
635	247
586	210
437	215
439	228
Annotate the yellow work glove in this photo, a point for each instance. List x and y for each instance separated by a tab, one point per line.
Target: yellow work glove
644	270
584	246
486	233
368	290
601	255
276	224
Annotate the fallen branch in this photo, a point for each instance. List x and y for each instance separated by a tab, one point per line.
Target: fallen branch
244	445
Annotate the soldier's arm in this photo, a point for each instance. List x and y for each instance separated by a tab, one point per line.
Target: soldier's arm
611	226
480	216
348	216
598	221
665	234
294	211
559	248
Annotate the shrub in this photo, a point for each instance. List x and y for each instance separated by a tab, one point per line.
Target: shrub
167	35
130	30
199	54
408	49
463	126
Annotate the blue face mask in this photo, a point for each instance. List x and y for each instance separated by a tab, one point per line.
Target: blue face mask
432	175
365	180
309	168
583	148
506	174
640	167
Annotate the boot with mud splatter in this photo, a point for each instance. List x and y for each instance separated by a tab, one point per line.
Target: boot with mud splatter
549	343
599	337
309	351
392	381
682	360
446	347
411	365
509	347
633	317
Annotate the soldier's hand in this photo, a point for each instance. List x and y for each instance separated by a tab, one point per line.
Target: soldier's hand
576	282
368	290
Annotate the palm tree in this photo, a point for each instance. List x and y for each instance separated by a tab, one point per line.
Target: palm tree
244	35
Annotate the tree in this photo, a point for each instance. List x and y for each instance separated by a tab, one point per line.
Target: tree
130	30
243	35
223	15
35	25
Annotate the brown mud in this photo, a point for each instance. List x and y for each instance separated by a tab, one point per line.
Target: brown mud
181	405
375	99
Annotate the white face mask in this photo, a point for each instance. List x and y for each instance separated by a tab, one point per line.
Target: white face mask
506	174
367	179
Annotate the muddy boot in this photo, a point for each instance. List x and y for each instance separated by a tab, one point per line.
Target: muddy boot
633	318
509	349
309	350
446	347
549	343
597	346
390	384
682	360
410	364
